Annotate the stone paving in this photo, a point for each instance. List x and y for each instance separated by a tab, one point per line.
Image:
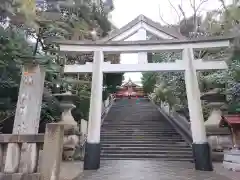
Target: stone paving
154	170
70	170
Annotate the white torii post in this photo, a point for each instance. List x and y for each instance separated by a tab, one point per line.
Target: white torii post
93	150
200	147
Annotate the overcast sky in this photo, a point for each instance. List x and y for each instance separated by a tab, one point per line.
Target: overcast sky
127	10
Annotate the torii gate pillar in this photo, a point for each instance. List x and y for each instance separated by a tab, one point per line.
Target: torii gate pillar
200	147
93	149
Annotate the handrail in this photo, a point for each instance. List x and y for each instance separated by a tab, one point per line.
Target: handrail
180	123
106	109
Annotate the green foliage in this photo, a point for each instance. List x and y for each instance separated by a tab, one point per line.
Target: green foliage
70	22
112	80
165	86
170	86
148	81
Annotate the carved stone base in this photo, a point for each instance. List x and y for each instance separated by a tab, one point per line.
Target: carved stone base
232	160
69	146
220	142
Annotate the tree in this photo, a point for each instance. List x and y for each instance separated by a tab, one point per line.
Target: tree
49	19
149	81
195	26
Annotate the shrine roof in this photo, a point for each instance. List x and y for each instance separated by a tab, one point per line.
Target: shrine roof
171	31
130	83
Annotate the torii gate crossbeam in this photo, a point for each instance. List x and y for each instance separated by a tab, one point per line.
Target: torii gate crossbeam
179	65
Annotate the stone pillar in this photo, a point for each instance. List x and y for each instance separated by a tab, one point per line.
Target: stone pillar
200	146
52	152
142	56
27	119
92	151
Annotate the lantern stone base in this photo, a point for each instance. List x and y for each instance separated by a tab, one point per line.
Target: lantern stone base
202	157
219	138
69	146
232	160
92	156
71	141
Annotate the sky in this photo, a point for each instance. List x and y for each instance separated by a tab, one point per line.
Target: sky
127	10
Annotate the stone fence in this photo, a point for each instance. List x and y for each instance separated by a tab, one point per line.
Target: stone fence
45	168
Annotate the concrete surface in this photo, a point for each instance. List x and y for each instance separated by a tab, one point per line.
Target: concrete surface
154	170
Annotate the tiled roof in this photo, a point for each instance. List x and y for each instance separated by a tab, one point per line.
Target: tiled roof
141	18
130	83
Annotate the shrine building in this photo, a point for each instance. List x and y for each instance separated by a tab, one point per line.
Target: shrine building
130	89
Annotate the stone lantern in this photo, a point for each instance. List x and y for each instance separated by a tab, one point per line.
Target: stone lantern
215	101
219	138
71	129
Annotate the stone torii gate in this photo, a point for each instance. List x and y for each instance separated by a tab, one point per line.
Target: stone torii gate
200	146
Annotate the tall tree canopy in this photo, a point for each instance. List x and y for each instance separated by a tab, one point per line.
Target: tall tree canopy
26	31
223	21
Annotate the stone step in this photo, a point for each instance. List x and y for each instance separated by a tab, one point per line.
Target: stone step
157	121
139	121
141	137
150	123
137	124
147	159
117	133
130	131
161	124
147	148
143	142
134	136
147	145
123	130
137	129
144	155
128	128
144	126
134	109
144	151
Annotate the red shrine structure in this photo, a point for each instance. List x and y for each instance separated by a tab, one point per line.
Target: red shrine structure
130	89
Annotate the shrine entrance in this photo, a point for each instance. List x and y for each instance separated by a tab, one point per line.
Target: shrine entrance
130	89
165	41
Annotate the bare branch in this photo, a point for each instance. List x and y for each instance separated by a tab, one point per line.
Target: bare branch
161	17
200	4
175	9
166	21
192	4
183	13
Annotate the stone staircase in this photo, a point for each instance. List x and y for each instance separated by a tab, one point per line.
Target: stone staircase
134	129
